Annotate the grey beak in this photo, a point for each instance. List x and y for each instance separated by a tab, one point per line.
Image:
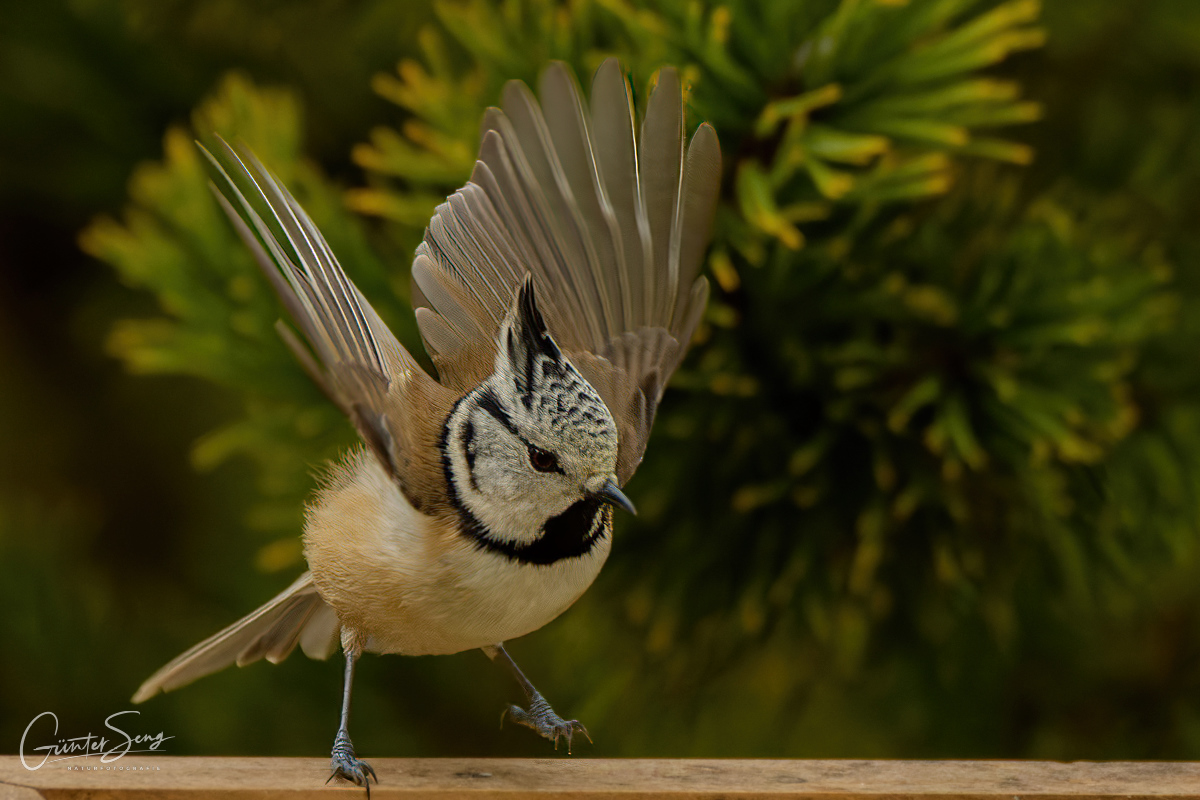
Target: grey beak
612	494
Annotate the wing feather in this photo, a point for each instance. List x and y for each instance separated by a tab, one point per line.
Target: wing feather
524	217
532	152
617	159
358	362
594	215
661	173
700	188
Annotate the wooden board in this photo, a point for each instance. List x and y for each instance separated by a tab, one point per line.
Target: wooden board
172	777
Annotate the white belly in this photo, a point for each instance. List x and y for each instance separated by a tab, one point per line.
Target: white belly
478	598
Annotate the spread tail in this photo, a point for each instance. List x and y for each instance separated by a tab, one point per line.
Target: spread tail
297	615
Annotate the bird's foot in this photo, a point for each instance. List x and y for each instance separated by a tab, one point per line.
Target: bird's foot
345	765
541	718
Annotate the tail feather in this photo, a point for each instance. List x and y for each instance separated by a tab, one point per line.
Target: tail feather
297	615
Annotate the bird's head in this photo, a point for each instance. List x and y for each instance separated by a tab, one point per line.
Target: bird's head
535	439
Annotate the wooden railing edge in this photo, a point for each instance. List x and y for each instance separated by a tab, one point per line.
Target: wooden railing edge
194	778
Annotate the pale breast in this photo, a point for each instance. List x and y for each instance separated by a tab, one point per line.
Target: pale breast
416	585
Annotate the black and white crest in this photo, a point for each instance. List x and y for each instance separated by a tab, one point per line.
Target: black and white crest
546	385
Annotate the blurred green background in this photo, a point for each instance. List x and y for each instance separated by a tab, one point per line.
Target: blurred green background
926	487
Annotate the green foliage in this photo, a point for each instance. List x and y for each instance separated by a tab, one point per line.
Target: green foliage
935	454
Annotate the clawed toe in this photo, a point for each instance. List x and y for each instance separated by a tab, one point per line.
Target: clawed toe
542	718
568	729
346	766
360	773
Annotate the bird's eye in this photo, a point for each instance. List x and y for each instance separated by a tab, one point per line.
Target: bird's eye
543	461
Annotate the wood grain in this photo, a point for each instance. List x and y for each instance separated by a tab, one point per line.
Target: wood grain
172	777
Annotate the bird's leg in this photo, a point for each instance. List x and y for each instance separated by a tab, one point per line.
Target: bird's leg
539	716
344	764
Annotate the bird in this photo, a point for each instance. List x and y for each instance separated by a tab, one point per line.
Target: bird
555	292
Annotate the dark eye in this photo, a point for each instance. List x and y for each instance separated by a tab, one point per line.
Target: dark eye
542	460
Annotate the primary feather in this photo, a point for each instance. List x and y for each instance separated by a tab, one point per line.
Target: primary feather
358	362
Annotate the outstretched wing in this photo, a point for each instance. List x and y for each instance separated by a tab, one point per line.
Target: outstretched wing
612	226
395	405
